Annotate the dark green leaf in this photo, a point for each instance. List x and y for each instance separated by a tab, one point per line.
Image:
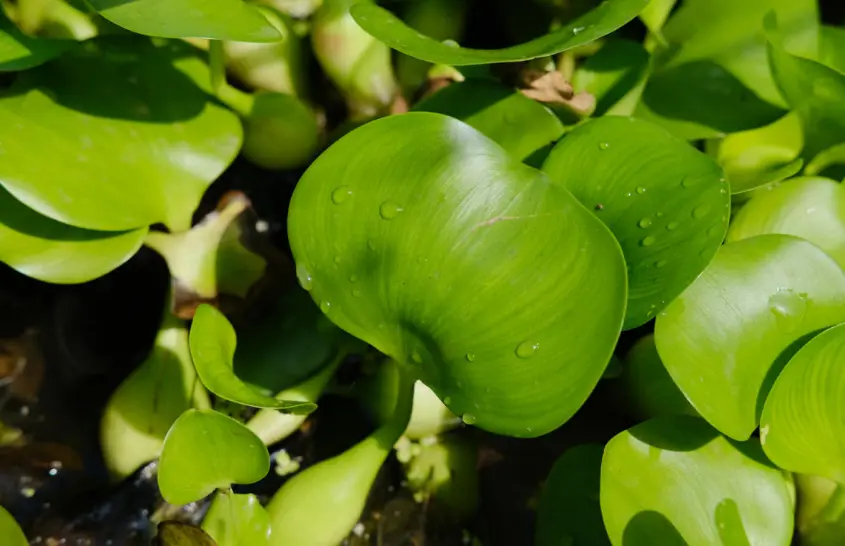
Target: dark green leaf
388	28
205	450
725	339
237	520
666	203
675	481
20	52
424	238
648	385
213	343
614	75
832	47
518	124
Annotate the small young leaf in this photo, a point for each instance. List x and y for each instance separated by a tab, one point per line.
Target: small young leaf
21	52
10	531
518	124
569	511
213	343
237	520
176	533
388	28
213	19
205	450
675	481
802	428
810	208
666	203
725	338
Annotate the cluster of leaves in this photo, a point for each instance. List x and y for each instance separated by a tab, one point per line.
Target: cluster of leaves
494	243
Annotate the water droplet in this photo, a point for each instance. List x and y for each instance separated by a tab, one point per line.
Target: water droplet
714	230
337	259
468	418
526	349
325	306
415	356
304	277
787	307
371	244
339	195
356	292
660	263
723	191
471	357
577	30
604	145
644	223
672	225
660	215
641	190
451	43
447	400
353	278
648	241
700	211
389	210
687	183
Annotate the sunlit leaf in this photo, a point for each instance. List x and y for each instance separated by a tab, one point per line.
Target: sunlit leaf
20	52
675	481
832	47
205	450
132	141
666	203
388	28
213	343
727	336
237	520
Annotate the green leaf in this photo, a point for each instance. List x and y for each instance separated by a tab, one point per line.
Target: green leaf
50	251
830	162
806	207
832	47
648	386
21	52
614	74
132	140
727	336
205	450
569	511
654	15
213	343
388	28
731	35
142	409
815	92
517	282
213	19
675	481
237	520
10	531
803	423
666	203
518	124
176	533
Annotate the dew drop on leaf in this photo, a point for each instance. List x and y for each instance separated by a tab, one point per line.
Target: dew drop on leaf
687	183
648	241
356	292
604	145
325	306
672	225
389	210
644	223
526	349
468	418
471	357
353	278
415	356
659	263
700	211
304	277
641	190
447	400
339	195
786	304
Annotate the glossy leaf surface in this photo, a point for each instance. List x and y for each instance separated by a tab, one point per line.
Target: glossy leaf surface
803	423
675	481
666	203
510	307
20	52
214	19
569	511
388	28
725	338
205	450
10	531
132	140
810	208
518	124
237	520
213	342
50	251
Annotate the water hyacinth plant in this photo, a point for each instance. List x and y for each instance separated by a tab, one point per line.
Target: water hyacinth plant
598	242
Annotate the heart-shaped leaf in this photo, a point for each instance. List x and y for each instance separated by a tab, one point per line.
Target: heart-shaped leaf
569	511
132	140
20	52
50	251
518	124
205	450
810	208
614	75
237	520
10	531
815	92
727	336
213	19
803	423
387	27
675	481
666	203
421	236
213	342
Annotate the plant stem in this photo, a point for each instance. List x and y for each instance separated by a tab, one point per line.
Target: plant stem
217	65
239	101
